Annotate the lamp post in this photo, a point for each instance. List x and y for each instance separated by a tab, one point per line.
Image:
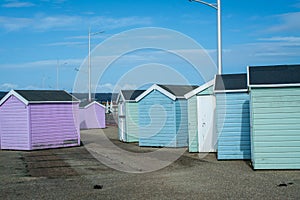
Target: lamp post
216	6
89	62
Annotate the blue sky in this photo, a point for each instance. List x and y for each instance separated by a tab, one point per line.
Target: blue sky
34	35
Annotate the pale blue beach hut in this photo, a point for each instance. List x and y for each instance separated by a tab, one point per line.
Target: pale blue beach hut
163	116
232	116
275	116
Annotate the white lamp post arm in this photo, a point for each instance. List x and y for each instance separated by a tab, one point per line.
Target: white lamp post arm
218	8
213	5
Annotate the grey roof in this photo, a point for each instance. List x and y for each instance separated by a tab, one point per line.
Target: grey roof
131	94
84	103
2	94
278	74
231	82
99	97
178	90
46	95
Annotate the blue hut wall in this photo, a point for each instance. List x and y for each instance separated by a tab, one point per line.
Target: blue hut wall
158	121
181	123
275	128
233	125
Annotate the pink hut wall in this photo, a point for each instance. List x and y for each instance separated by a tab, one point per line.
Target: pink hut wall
14	126
92	116
54	125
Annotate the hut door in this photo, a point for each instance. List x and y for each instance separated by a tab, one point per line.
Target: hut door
122	121
206	132
122	128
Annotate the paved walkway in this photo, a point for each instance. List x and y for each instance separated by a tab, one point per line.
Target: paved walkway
73	173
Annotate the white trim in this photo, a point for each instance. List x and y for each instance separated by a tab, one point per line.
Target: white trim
94	102
119	96
14	93
37	102
215	78
26	102
227	91
155	87
248	76
199	89
274	85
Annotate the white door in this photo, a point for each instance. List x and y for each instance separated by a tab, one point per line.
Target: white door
122	127
122	122
207	139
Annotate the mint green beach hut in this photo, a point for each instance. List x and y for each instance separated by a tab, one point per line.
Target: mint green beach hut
128	115
275	116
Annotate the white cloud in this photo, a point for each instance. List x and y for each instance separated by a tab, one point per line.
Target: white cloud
43	64
287	22
281	39
68	22
14	23
65	44
17	4
8	86
109	87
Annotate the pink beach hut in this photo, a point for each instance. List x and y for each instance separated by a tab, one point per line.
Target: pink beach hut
92	115
38	119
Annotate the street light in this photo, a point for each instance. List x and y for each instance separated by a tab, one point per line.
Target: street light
216	6
89	61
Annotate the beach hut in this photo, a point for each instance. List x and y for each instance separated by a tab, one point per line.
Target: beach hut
38	119
163	116
201	113
232	116
275	116
92	115
128	115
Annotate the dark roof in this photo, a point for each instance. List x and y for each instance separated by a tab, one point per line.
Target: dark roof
231	82
131	94
178	90
84	103
100	97
269	75
2	94
46	95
